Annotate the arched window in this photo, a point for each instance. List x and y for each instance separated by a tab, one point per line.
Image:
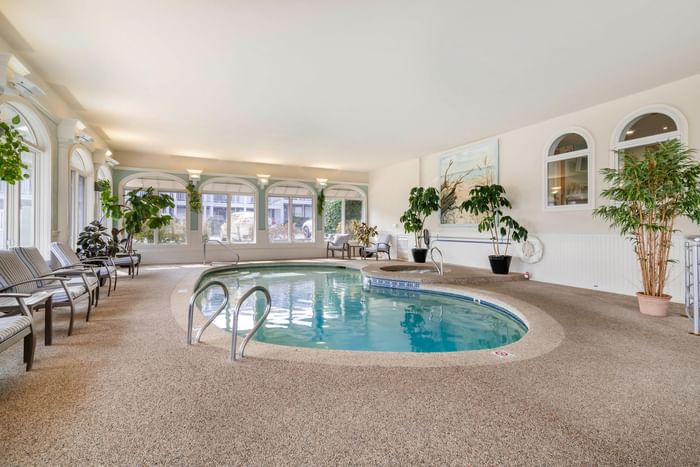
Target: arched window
290	213
647	127
176	232
343	205
81	190
228	210
24	207
569	170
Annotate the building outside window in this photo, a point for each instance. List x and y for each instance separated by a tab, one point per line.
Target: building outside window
290	213
176	232
228	211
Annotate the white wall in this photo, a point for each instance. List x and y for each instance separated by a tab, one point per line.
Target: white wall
579	250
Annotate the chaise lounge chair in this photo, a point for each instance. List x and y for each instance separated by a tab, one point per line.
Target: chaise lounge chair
14	328
339	242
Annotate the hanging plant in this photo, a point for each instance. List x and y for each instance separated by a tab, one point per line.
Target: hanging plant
321	202
11	148
194	198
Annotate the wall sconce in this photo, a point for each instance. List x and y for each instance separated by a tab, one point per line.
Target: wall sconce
263	180
321	183
195	174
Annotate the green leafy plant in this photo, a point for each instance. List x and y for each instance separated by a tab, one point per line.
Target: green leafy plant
422	202
363	232
194	198
95	240
489	201
649	193
11	148
142	209
320	202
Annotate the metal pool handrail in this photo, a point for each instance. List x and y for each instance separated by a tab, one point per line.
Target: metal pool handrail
190	310
218	242
441	267
258	323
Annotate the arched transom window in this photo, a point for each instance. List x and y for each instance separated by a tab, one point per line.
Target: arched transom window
176	232
568	170
645	129
290	213
228	210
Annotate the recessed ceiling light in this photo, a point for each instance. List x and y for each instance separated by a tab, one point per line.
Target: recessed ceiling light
630	132
665	128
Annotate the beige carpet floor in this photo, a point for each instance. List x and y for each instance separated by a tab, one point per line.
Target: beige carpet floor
124	389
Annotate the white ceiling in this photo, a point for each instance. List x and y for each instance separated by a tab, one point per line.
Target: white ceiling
356	84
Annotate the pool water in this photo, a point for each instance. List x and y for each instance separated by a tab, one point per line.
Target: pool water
325	307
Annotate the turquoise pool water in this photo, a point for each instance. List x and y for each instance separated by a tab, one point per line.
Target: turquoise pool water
327	308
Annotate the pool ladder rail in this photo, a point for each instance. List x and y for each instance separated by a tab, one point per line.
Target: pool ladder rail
234	325
206	241
439	267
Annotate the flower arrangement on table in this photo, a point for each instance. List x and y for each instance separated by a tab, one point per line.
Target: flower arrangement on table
363	232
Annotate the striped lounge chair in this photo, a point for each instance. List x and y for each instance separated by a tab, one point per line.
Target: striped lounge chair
33	259
14	328
16	277
102	265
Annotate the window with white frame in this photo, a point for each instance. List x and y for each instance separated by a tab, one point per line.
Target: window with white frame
290	213
80	179
343	205
228	211
174	233
644	131
19	223
568	171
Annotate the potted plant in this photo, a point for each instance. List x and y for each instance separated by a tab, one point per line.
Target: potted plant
141	208
194	198
95	240
11	148
488	201
422	202
363	232
649	193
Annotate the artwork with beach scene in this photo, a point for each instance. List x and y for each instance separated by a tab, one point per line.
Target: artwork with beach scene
461	170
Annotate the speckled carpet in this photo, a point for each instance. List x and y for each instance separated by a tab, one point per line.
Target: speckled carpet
124	389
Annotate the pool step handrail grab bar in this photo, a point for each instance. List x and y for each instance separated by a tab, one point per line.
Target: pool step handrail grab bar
441	267
258	323
190	310
218	242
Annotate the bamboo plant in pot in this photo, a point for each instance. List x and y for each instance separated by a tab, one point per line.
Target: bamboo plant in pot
422	202
648	194
488	202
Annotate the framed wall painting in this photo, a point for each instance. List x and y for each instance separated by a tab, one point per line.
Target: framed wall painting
460	170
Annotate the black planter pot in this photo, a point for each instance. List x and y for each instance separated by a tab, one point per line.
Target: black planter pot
419	254
500	264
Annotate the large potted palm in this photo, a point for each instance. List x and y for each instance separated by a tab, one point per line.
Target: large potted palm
422	202
488	202
648	194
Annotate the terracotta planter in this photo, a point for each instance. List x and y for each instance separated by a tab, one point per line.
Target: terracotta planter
653	306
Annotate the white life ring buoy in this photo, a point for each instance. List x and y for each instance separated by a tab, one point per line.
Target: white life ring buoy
531	250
